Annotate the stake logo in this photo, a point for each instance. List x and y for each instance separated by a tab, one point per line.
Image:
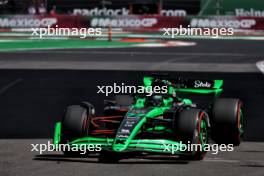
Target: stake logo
199	83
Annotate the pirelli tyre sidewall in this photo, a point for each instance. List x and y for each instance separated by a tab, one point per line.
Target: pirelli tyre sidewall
75	122
191	125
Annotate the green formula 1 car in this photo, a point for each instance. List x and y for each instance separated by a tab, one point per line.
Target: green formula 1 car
157	124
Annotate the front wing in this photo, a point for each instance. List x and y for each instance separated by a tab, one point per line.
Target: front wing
140	145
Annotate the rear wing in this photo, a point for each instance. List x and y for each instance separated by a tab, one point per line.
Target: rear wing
192	86
201	86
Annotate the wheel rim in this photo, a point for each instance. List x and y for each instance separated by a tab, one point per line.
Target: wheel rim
203	135
241	122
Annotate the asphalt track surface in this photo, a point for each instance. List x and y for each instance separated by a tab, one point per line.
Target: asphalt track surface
207	55
35	87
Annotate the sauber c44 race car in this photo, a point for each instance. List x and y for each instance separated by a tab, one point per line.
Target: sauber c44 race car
156	124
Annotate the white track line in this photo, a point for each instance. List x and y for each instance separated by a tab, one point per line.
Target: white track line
8	86
133	66
62	51
260	66
220	160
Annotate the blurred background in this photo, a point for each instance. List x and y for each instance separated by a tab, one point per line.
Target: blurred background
130	18
140	7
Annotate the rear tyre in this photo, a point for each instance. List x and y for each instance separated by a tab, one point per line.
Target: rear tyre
192	127
75	124
227	121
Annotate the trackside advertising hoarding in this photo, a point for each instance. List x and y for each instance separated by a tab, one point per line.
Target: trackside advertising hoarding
249	23
37	21
239	8
131	22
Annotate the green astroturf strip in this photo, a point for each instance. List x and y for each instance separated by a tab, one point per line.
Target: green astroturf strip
53	44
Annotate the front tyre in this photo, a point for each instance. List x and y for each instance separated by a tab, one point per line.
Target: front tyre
75	124
192	127
227	121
